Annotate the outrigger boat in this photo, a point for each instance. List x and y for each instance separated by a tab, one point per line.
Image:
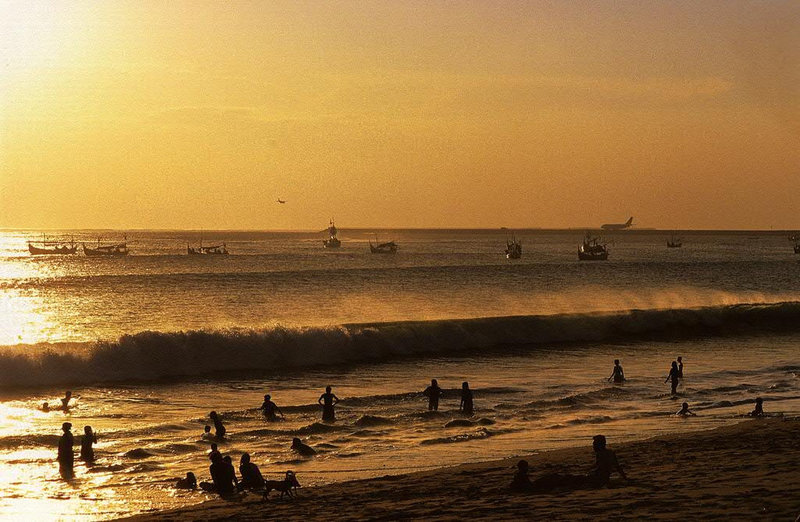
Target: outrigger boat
389	247
332	241
218	250
116	250
674	242
52	248
513	248
592	249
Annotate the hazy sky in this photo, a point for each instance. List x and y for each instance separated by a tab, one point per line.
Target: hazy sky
399	113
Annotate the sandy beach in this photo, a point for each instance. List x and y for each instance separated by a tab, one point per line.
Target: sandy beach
744	471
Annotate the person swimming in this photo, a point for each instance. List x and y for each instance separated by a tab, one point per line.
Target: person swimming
269	409
219	428
685	411
328	401
433	393
207	432
190	482
65	400
758	411
521	482
66	457
680	367
467	407
45	407
673	377
252	478
617	374
89	438
303	449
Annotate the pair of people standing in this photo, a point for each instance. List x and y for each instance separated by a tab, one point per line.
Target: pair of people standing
66	456
434	392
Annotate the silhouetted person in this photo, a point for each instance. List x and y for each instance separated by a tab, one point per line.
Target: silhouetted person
521	482
207	432
673	377
231	470
617	374
328	401
89	438
605	463
685	411
45	407
66	458
65	400
270	409
251	475
466	406
433	392
680	367
758	411
214	451
303	449
219	428
190	482
221	475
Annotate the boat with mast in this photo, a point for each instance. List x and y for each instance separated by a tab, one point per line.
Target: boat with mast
47	247
390	247
674	242
513	248
796	239
332	241
106	250
592	249
213	250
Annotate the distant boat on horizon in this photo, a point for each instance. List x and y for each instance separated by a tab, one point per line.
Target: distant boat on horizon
332	241
674	242
213	250
113	250
513	248
390	247
592	249
51	248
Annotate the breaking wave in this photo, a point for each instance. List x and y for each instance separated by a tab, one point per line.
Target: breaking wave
157	355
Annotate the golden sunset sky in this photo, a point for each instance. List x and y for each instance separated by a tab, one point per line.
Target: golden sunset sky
200	114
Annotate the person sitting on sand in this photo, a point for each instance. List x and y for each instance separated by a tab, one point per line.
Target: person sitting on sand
269	409
521	482
433	392
328	401
222	476
674	377
219	428
685	411
251	476
680	367
758	411
214	451
617	374
229	463
207	433
65	400
66	457
89	438
605	464
467	407
303	449
190	482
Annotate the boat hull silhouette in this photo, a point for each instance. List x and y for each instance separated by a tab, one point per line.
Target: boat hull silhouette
55	251
106	250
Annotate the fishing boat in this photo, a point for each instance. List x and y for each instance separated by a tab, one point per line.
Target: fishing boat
592	249
796	240
51	248
513	248
332	241
214	250
115	250
389	247
674	242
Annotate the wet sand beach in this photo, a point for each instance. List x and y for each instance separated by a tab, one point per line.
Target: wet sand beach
740	472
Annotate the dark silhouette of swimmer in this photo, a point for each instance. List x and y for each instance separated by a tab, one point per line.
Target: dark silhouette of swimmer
222	475
65	400
433	392
521	482
45	407
214	451
207	432
674	377
606	463
466	406
251	475
270	409
680	367
685	411
303	449
66	457
617	374
89	438
328	401
219	428
190	482
758	411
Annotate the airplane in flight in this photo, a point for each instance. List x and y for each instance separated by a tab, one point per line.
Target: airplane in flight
281	201
618	226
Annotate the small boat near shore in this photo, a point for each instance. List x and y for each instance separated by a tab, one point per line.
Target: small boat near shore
52	248
332	241
115	250
592	249
390	247
513	248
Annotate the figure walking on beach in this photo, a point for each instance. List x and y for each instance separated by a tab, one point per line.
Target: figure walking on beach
466	406
433	392
328	401
89	438
219	428
269	409
66	458
674	377
617	374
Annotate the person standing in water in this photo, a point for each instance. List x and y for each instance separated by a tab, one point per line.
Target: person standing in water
433	392
219	428
65	400
680	367
89	438
328	401
617	374
66	458
674	377
758	411
269	409
467	407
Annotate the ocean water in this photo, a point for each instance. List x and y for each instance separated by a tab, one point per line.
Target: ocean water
151	343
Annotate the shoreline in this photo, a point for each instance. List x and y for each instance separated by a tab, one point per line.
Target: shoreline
742	471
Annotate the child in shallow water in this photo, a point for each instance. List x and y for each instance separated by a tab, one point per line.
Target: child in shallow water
685	411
